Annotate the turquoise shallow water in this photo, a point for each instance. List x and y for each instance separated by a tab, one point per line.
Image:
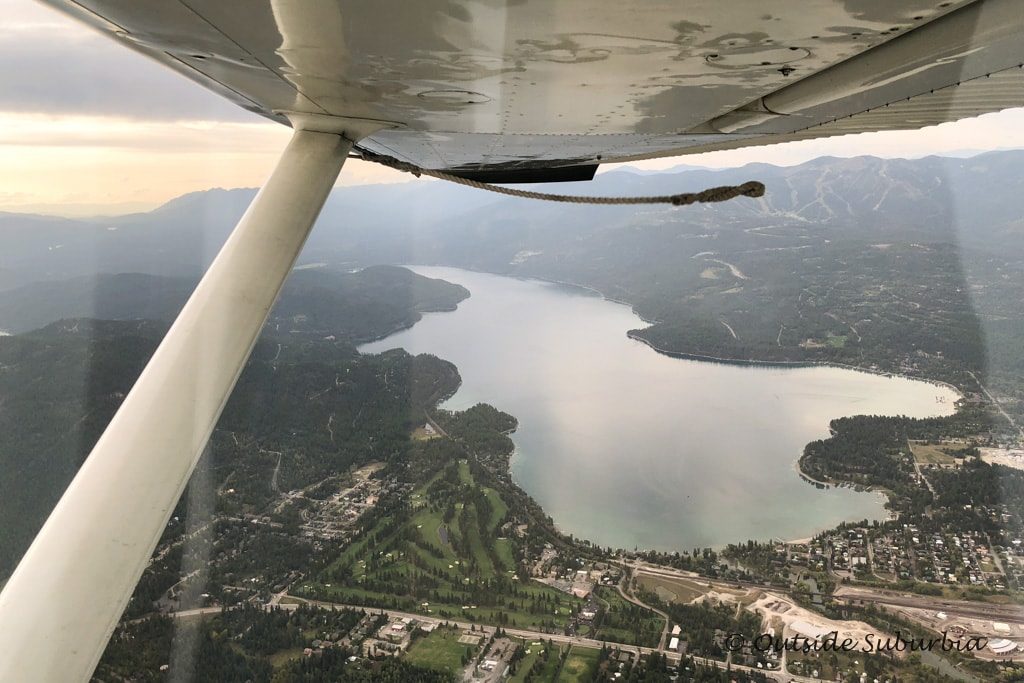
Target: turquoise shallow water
628	447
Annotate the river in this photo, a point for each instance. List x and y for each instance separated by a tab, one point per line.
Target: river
630	448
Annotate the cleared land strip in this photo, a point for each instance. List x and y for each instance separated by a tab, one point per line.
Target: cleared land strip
975	610
560	639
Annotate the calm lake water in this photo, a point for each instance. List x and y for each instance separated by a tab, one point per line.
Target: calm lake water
627	447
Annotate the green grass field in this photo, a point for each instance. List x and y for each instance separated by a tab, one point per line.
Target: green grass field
579	665
672	590
524	666
441	650
932	454
547	671
836	341
404	562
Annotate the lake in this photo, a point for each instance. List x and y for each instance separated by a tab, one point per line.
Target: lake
630	448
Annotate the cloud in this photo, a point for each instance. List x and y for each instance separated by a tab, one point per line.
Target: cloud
80	164
119	132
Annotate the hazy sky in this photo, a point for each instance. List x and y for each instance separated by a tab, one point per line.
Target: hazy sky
87	126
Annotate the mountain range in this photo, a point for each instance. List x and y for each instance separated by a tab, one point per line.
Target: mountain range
865	261
977	202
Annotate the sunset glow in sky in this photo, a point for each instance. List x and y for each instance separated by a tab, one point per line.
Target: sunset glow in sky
88	127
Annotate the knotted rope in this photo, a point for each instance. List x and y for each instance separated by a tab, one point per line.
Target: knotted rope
712	194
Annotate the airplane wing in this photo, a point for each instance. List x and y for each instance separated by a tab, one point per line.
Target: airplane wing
520	89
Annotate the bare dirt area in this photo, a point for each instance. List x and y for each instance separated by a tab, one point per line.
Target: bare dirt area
1004	456
675	586
999	624
797	621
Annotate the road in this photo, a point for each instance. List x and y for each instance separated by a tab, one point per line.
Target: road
670	573
994	555
273	478
558	638
974	610
158	557
917	468
432	423
996	403
629	598
526	634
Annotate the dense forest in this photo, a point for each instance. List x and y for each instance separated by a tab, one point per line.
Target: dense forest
237	647
354	306
61	385
872	450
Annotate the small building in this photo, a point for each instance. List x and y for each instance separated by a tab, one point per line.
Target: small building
1002	646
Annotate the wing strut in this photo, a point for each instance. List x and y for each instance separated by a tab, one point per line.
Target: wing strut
64	599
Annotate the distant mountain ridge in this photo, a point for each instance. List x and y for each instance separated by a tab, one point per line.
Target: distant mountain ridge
884	263
354	307
973	200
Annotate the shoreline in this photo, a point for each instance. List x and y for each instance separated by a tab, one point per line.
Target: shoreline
826	485
782	364
794	364
397	328
634	335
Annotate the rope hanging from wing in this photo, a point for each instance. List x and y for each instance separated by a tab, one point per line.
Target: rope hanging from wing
712	194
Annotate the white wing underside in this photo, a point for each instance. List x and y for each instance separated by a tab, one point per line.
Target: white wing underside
535	85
